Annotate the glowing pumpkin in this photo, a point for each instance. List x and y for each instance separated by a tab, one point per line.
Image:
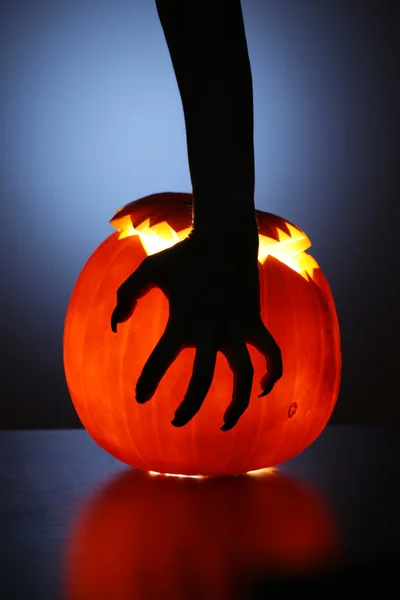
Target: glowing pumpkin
154	537
102	367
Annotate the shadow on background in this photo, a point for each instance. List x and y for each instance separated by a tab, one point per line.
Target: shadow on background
146	537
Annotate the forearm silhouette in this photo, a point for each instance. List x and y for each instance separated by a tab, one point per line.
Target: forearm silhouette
210	279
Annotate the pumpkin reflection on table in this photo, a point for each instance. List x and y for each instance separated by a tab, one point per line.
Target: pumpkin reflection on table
148	537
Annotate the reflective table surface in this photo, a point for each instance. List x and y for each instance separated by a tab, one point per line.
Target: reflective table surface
77	524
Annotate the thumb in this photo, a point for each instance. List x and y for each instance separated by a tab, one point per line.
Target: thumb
133	288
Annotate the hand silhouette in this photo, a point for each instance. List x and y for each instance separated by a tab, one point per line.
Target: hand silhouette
214	305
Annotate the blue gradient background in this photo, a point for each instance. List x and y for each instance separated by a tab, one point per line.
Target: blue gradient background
91	119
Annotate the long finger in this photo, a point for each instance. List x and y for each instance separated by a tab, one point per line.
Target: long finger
200	382
130	291
240	362
159	361
264	342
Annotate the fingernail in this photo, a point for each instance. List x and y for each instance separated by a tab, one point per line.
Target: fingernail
227	426
178	422
267	389
115	319
141	398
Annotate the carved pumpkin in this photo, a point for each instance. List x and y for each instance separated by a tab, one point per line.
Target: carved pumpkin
154	537
102	367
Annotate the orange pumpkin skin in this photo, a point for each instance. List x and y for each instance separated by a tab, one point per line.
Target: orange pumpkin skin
155	537
102	367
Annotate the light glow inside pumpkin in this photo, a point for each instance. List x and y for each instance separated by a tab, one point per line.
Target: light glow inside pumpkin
289	249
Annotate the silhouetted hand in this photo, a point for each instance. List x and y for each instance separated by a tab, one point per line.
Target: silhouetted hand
214	305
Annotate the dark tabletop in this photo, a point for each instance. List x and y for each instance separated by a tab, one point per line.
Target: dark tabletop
77	524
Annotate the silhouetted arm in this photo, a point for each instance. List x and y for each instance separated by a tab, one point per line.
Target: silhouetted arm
208	48
211	278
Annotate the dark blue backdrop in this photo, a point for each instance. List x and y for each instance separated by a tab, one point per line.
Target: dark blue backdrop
91	119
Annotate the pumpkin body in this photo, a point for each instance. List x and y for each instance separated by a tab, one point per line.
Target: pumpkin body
102	367
155	537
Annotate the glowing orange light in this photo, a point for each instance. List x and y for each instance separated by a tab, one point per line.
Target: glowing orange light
102	368
178	475
262	472
289	249
256	473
